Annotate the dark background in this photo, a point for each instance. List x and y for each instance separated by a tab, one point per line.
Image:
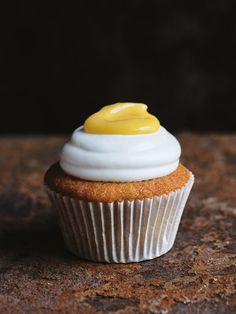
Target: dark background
60	63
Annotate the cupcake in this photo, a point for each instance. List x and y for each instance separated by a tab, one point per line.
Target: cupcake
119	190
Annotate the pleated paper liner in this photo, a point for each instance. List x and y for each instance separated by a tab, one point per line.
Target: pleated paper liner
121	231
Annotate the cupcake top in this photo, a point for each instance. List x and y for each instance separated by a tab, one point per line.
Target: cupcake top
121	143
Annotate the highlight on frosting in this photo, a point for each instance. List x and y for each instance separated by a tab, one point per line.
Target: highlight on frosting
122	118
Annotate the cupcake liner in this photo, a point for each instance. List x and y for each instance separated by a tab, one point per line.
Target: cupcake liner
121	231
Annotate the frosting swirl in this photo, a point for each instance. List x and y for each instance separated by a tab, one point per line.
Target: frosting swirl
117	158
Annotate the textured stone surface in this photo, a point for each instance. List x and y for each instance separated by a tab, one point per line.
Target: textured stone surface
38	275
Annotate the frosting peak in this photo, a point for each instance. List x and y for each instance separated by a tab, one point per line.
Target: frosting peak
122	118
121	143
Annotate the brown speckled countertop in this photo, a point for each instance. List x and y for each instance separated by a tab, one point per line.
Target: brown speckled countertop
38	275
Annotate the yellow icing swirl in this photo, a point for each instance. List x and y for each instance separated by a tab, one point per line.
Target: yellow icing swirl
122	118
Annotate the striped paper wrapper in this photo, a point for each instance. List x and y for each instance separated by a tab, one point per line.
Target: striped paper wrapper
121	231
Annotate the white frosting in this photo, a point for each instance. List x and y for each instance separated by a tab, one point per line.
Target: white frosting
117	158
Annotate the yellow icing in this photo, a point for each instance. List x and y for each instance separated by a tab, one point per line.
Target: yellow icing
122	118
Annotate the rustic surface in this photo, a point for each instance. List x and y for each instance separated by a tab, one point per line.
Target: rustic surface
38	275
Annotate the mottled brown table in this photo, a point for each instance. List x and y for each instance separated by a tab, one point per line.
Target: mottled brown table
38	274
